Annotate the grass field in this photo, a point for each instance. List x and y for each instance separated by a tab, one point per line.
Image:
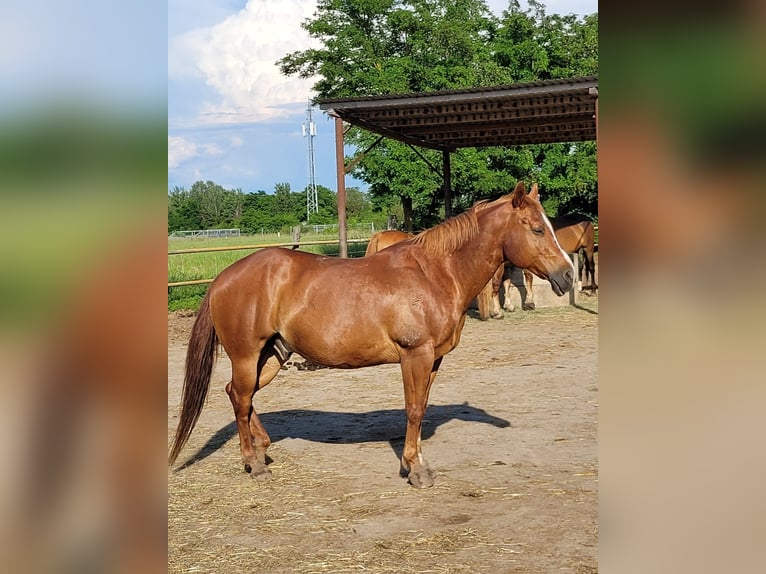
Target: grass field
206	265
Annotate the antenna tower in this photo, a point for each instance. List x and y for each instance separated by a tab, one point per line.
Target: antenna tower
309	130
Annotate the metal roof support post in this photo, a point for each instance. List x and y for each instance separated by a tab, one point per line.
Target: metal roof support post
447	171
340	163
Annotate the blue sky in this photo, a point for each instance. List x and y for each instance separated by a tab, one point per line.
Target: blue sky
232	117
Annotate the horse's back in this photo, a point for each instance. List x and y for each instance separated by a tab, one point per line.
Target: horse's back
319	305
384	239
279	273
574	232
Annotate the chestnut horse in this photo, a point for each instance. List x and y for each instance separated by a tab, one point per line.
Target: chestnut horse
575	233
383	239
390	307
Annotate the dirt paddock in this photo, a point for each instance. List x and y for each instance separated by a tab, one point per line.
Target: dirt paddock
510	430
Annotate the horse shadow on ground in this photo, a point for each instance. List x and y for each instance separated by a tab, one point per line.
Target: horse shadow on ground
581	308
386	425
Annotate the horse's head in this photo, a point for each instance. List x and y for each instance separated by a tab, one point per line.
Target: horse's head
531	242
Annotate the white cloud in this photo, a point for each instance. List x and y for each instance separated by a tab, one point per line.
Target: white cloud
181	150
236	58
211	149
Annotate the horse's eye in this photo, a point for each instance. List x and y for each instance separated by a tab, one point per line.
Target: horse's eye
538	230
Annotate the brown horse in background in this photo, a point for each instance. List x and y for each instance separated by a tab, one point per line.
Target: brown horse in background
383	239
406	304
575	233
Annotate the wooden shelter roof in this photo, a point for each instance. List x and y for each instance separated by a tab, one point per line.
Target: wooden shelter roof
537	112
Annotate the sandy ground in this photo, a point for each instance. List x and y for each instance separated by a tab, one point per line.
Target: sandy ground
510	429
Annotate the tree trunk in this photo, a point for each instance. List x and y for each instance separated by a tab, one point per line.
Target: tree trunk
407	209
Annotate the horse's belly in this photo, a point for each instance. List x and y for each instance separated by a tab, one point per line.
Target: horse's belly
341	348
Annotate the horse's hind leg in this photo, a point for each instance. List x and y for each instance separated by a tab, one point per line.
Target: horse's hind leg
497	312
592	270
507	305
270	365
587	269
256	440
529	300
240	390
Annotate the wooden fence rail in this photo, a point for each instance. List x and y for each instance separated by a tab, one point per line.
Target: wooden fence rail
291	244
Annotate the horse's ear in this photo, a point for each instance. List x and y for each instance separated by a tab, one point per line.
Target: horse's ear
533	191
517	200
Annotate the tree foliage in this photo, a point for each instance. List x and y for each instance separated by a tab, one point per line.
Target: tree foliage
378	47
207	205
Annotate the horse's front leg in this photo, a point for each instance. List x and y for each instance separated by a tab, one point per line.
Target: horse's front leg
418	373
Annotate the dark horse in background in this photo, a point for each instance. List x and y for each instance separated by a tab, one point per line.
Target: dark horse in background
575	234
405	304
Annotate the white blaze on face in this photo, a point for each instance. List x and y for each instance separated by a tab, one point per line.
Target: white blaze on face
556	240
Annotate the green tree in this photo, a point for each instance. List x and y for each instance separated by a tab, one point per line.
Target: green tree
232	205
373	47
289	207
208	197
206	205
183	211
377	47
358	206
258	213
539	46
283	202
327	204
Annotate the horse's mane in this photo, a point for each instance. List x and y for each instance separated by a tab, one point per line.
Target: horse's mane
452	234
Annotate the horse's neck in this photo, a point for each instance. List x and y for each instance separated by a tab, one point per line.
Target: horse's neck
475	262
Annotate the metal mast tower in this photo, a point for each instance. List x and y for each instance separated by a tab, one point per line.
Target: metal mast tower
309	131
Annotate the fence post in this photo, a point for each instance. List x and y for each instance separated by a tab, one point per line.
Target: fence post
296	236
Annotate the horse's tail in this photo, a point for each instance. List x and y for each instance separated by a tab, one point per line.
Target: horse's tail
484	301
200	358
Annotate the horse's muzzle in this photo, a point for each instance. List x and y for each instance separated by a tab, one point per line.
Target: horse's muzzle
562	282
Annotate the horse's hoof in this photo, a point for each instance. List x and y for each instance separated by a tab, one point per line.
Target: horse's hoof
528	306
497	316
260	472
423	478
262	475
